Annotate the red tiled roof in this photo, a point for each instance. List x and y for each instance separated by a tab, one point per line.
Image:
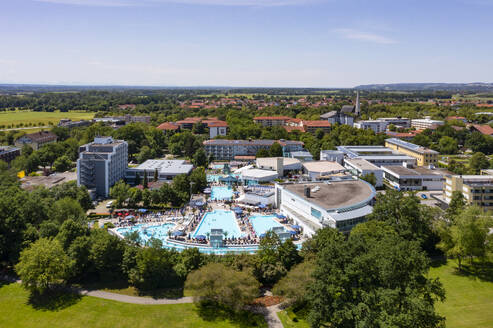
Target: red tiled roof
217	124
320	123
455	118
484	129
291	128
168	126
295	120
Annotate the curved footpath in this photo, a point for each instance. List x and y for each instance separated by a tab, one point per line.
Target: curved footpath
270	313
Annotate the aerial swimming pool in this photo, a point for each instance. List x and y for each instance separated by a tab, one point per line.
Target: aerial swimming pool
221	193
219	219
263	223
146	233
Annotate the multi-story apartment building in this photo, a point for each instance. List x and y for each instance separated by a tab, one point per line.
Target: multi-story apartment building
271	120
36	140
101	164
227	149
335	117
377	155
477	189
376	125
426	123
424	156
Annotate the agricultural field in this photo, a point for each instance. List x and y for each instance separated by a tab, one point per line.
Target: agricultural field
18	119
17	310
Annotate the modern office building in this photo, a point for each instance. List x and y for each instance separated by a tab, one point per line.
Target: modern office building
101	164
222	149
302	155
376	125
377	155
166	170
477	189
401	122
68	123
315	205
332	155
413	178
36	140
8	153
426	123
361	167
424	156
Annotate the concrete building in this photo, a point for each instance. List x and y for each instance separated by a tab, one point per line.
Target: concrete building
167	169
217	128
8	153
335	117
426	123
281	165
68	123
377	155
413	178
36	140
477	189
303	155
271	120
376	125
255	195
336	204
255	176
401	122
332	155
424	156
222	149
317	169
101	164
361	167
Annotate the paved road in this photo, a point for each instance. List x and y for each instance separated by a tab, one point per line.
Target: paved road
135	299
28	128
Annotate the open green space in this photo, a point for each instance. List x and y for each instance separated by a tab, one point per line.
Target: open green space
17	311
30	118
469	299
290	320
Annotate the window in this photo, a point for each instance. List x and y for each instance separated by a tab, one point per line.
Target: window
316	213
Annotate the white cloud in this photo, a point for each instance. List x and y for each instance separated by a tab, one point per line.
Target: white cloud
353	34
126	3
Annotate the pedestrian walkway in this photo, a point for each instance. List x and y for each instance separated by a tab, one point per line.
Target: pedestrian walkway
134	299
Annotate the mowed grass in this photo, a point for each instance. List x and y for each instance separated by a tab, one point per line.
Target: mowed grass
16	311
43	118
469	299
290	320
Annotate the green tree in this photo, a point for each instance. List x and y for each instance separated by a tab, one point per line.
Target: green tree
294	286
448	145
43	265
62	164
106	254
199	180
370	178
120	192
275	150
373	279
262	153
222	285
478	161
145	184
456	205
200	158
67	209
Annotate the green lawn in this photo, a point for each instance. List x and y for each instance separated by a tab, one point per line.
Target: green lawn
290	320
469	300
37	118
16	311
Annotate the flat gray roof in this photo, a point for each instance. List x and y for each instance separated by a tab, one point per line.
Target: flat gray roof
361	163
166	166
335	195
323	166
415	171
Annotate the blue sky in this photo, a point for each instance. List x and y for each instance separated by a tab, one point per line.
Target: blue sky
278	43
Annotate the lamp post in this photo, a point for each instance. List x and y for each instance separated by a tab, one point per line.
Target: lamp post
191	185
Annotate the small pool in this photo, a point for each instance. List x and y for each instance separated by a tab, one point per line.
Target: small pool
213	177
221	193
146	233
263	223
219	219
218	166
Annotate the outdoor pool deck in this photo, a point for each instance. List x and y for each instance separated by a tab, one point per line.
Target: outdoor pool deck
221	193
219	219
147	232
263	223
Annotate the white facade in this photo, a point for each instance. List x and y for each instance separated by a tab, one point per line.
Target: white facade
397	121
316	169
419	178
426	123
332	155
376	125
215	131
361	167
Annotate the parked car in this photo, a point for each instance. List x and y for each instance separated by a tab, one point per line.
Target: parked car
424	196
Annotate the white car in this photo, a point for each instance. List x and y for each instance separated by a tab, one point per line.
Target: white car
108	205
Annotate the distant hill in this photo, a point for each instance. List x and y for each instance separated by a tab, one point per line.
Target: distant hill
471	87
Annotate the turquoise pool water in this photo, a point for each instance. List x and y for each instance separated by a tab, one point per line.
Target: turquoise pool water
263	223
221	193
219	219
146	233
213	177
218	166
